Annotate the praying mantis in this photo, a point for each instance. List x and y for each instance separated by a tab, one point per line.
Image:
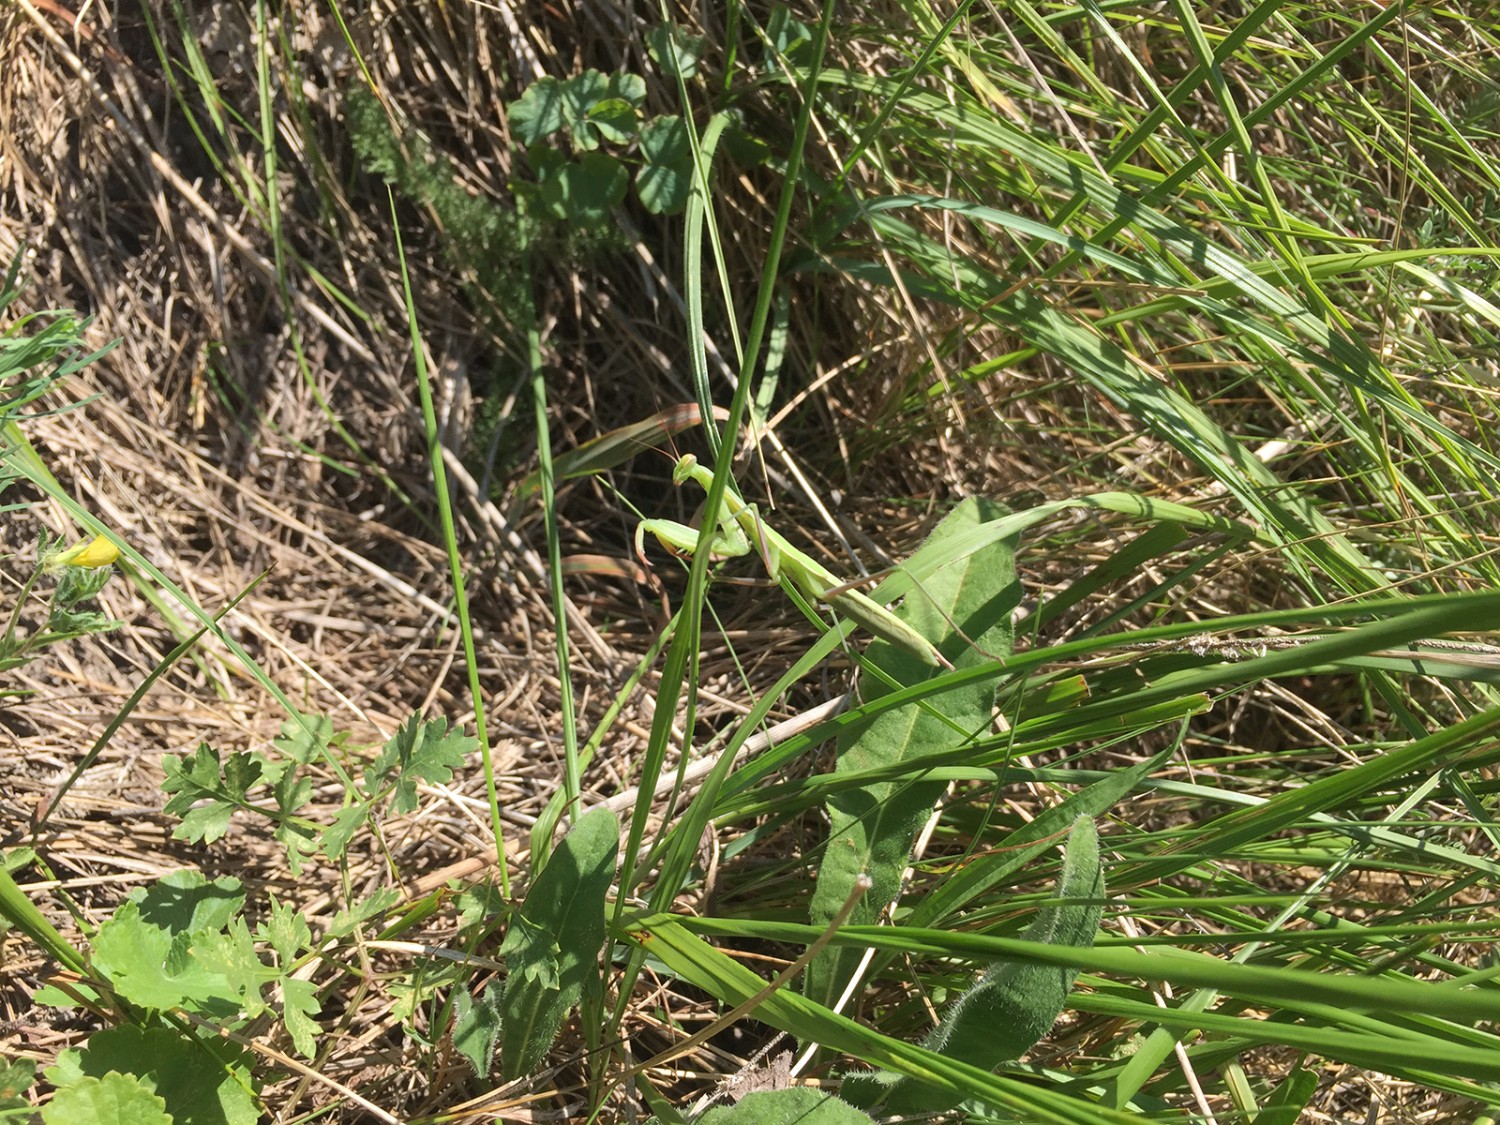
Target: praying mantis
740	525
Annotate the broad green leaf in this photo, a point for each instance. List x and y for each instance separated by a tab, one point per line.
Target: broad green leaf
115	1099
615	119
552	947
872	828
145	965
583	94
145	949
666	177
545	160
185	900
1015	1003
198	1079
797	1106
538	113
630	87
584	192
479	903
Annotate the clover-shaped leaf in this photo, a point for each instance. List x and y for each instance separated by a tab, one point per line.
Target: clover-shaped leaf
538	113
584	192
674	50
666	178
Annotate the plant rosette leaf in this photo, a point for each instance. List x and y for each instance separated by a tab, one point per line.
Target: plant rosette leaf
552	948
193	1079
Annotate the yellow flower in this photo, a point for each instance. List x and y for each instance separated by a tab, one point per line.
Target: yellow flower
98	551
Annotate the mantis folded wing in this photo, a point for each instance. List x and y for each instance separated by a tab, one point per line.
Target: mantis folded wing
739	524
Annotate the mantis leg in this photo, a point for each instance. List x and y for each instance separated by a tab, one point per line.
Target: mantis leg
683	541
819	584
740	526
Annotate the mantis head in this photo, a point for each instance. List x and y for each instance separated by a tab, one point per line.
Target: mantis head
683	471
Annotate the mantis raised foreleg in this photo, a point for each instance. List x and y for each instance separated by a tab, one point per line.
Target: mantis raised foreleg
740	527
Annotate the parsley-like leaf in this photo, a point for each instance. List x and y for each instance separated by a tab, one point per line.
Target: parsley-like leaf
417	752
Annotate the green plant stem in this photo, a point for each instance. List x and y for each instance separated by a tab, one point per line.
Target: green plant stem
572	780
450	541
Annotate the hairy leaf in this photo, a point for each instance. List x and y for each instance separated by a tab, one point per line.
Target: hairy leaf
476	1026
552	947
1015	1003
797	1106
872	828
